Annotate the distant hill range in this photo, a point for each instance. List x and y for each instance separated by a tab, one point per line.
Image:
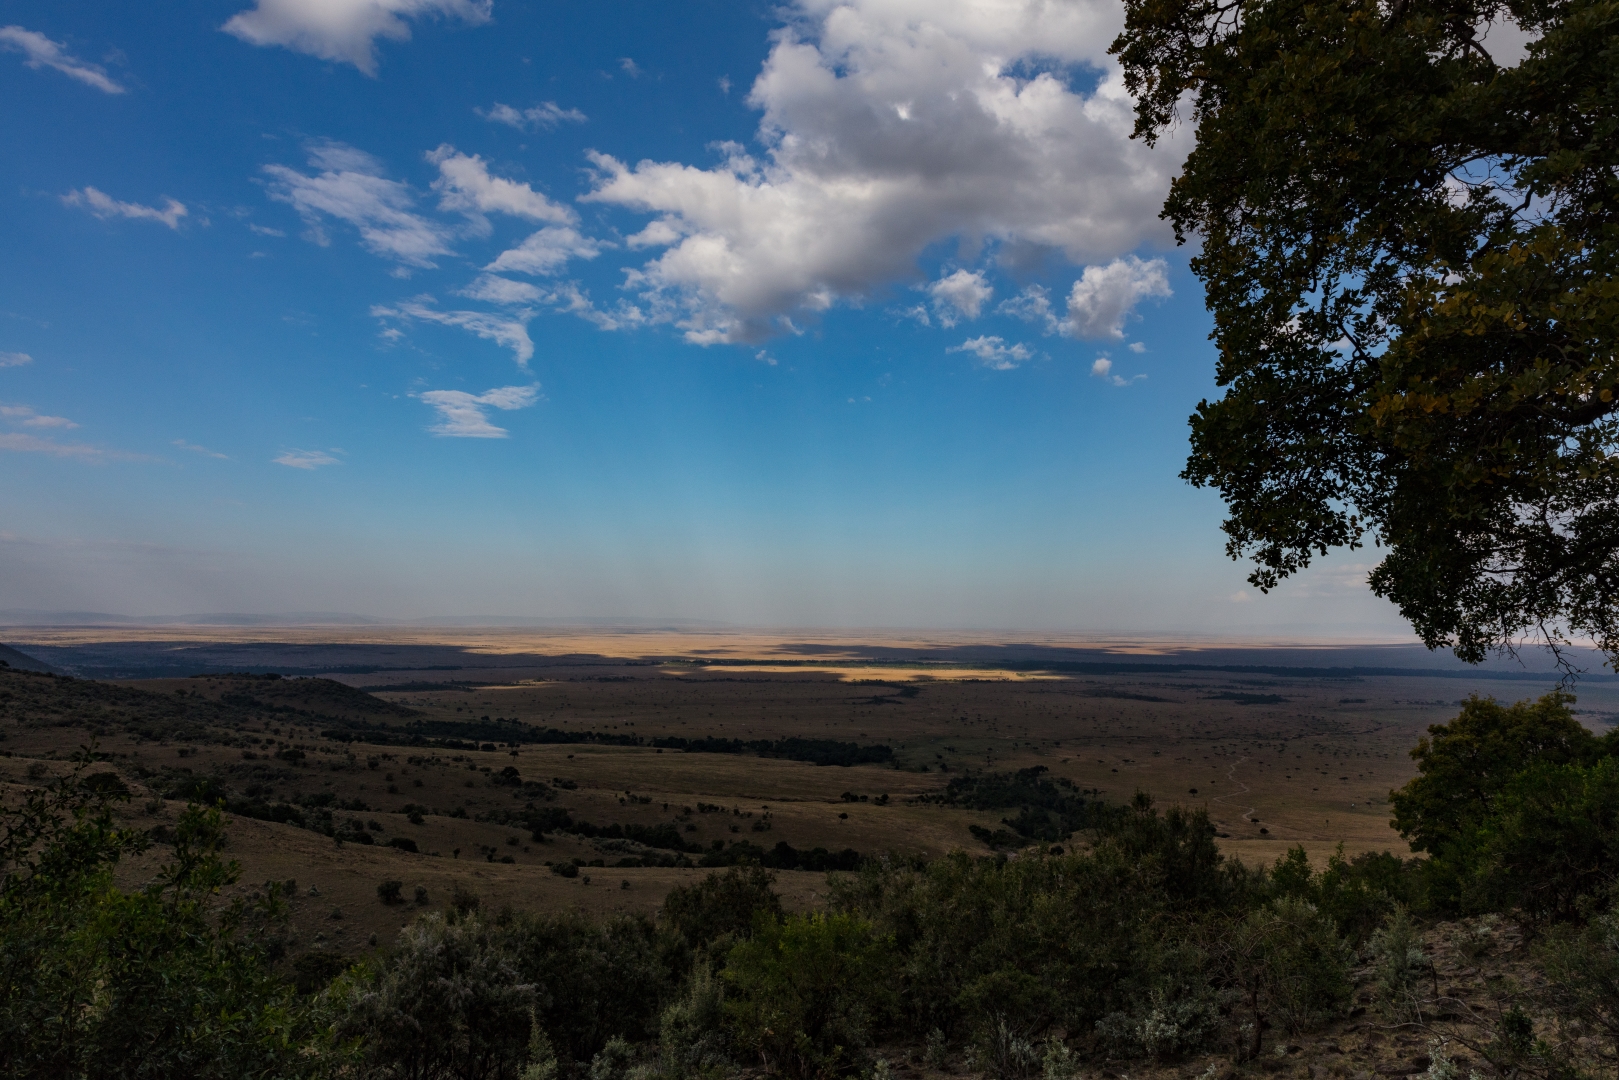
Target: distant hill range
16	617
30	617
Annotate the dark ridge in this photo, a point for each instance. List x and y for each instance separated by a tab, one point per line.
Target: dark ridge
20	661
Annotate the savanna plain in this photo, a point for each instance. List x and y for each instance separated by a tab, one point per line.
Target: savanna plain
375	775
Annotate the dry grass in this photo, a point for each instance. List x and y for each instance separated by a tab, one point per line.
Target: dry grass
1275	760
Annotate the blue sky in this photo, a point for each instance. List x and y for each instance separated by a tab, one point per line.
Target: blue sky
828	313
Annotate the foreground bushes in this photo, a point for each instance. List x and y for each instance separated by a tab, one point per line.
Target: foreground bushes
1140	942
161	981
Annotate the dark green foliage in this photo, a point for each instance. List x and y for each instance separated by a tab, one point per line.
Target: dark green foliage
314	971
470	735
693	1038
1582	973
449	1002
984	942
808	991
389	892
1454	810
721	907
1409	251
162	981
594	978
784	857
1357	894
1284	965
814	751
1551	843
1174	851
1049	808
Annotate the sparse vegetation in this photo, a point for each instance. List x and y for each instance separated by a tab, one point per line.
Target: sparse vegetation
1106	931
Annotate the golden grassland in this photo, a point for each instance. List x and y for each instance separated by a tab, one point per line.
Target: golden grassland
1275	760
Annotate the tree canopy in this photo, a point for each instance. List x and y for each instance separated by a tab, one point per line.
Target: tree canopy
1409	248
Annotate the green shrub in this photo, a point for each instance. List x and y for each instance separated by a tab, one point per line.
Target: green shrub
1463	768
808	991
1358	894
721	907
595	978
1551	841
1398	966
449	1002
692	1036
1285	965
161	981
1582	977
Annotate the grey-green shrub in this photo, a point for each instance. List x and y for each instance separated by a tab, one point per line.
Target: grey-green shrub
449	1002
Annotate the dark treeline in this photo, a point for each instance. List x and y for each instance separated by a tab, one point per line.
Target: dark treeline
487	734
1139	941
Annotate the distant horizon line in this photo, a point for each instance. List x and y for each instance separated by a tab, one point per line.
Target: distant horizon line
1278	635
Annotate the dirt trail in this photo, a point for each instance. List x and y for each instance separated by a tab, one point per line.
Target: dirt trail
1231	776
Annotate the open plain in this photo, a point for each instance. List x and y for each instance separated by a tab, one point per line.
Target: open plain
451	742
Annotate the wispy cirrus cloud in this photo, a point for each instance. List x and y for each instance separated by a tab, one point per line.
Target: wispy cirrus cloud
547	114
344	31
465	416
509	331
105	206
23	416
42	52
308	460
24	443
203	450
350	185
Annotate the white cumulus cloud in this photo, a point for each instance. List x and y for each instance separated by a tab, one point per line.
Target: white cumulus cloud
1104	296
304	459
463	416
42	52
15	359
344	30
959	296
547	114
349	185
891	125
104	206
1102	368
508	331
994	352
465	186
1099	302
